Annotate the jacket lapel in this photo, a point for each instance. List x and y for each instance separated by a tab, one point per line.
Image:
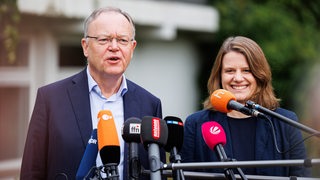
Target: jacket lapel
79	97
263	139
223	121
131	106
131	109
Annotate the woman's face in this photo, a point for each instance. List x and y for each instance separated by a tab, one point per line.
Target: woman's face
236	76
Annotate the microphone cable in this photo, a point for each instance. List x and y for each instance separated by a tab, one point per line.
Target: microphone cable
275	139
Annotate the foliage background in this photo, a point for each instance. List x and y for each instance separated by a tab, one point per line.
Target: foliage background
288	31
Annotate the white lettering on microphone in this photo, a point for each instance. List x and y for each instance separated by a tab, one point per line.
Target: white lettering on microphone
155	128
218	93
92	141
135	128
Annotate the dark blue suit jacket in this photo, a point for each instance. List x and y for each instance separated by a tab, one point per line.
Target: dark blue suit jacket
61	125
195	149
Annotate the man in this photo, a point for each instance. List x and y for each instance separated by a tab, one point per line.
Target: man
66	111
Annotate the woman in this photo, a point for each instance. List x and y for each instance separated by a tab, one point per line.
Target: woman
241	68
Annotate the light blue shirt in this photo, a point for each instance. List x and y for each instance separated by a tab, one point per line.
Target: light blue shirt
115	104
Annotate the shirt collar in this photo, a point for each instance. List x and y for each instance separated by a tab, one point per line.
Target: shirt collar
93	84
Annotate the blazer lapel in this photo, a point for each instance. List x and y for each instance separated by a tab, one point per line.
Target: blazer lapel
131	109
130	103
79	97
223	121
263	139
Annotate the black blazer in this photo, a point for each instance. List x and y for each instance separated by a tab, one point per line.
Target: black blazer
61	125
195	149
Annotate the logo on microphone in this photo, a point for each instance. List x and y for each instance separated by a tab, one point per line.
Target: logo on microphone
135	128
106	117
219	93
215	130
92	141
155	128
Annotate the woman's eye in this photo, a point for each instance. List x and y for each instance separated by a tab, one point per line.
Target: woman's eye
229	70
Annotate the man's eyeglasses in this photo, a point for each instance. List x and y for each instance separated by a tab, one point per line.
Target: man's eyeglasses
103	40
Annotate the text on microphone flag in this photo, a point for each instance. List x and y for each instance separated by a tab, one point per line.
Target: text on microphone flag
135	128
155	128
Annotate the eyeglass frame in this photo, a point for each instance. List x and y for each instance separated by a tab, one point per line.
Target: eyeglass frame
103	40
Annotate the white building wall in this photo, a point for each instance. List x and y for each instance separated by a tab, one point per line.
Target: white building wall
164	62
168	69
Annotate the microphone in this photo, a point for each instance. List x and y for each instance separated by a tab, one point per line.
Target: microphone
224	101
154	134
89	157
215	138
174	142
108	144
131	134
175	132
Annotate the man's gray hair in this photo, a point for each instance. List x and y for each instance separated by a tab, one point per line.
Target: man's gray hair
99	11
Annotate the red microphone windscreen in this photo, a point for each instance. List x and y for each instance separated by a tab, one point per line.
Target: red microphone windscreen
220	98
108	140
153	130
213	134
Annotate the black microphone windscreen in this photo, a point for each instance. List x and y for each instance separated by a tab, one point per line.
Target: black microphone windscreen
112	153
175	133
131	130
153	130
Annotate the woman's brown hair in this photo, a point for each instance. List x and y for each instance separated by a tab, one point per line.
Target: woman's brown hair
258	64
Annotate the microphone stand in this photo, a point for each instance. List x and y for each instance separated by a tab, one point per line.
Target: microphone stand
175	157
134	162
227	171
154	161
307	129
220	176
110	170
263	163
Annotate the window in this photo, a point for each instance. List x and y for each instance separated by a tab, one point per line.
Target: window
71	56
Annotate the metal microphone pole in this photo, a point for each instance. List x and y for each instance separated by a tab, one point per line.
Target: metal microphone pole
220	176
234	164
223	157
307	129
110	171
154	161
134	162
177	174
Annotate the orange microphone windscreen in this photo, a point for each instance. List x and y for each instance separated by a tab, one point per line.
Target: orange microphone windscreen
107	132
220	98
